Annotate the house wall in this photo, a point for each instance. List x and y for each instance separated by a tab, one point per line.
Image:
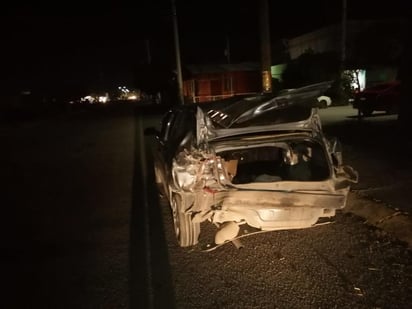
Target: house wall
247	82
213	86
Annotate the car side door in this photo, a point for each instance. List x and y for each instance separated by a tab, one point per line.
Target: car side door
162	150
176	126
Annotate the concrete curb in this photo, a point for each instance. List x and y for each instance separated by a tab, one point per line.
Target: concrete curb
394	222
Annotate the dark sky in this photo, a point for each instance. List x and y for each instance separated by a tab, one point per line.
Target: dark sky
76	43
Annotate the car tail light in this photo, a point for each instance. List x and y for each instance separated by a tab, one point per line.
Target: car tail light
192	173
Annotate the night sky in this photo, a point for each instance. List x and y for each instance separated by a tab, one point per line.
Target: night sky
73	45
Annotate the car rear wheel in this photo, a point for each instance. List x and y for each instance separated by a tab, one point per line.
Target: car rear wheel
392	110
187	232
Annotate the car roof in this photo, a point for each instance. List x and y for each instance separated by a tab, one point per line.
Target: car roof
264	109
291	111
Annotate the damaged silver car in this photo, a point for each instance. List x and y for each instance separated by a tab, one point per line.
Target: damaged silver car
249	164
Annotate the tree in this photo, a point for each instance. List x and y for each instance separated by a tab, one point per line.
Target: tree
378	43
311	68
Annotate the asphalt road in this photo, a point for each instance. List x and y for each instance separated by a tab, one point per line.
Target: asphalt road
83	227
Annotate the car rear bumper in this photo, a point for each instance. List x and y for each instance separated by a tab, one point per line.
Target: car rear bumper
274	210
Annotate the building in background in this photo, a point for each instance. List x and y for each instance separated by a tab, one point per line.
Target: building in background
372	47
203	83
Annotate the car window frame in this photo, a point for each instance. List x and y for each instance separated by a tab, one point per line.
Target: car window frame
166	125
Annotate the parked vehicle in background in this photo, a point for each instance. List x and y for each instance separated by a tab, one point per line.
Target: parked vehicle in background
324	101
249	164
381	97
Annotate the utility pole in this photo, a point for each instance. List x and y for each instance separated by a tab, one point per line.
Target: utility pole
148	53
227	54
342	94
343	46
177	52
227	49
265	47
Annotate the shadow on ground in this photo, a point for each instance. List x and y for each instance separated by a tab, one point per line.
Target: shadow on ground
150	278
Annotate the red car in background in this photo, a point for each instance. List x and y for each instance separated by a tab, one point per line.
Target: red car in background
381	97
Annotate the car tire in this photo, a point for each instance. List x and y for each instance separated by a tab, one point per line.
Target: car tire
187	232
392	110
366	112
323	104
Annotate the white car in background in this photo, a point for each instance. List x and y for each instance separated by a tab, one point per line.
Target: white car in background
324	101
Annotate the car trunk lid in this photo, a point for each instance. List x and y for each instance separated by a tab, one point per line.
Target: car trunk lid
291	111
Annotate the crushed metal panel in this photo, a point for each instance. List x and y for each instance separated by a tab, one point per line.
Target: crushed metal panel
240	205
269	199
207	131
272	219
243	111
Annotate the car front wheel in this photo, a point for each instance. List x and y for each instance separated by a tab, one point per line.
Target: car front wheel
187	232
323	104
365	112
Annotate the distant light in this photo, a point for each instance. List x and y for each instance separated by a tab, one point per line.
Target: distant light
103	99
88	99
358	75
132	97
